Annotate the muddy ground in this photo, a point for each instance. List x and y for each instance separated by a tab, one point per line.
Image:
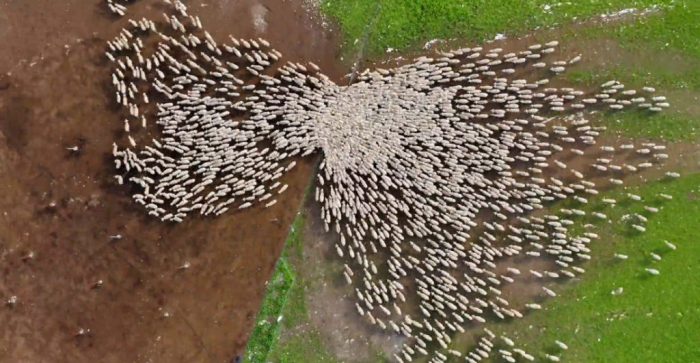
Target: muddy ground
95	279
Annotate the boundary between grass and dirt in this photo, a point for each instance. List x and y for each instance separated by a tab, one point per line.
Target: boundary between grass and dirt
270	321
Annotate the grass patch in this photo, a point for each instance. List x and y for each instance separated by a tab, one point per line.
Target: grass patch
667	126
406	25
267	327
678	29
675	29
675	36
639	77
303	343
656	317
295	311
286	298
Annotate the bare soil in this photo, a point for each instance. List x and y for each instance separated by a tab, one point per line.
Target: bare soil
83	296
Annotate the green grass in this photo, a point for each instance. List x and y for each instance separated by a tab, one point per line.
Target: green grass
267	326
665	52
674	29
676	124
282	285
295	311
660	78
405	25
667	126
678	29
291	338
656	319
295	339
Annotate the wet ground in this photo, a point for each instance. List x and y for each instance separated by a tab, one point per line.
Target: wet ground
95	279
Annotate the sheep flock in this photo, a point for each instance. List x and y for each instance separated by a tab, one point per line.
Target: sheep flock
435	175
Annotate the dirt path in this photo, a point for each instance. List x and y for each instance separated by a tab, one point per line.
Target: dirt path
331	302
84	295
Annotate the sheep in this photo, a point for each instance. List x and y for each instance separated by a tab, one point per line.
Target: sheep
415	160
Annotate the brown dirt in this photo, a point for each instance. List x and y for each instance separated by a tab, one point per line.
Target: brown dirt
58	209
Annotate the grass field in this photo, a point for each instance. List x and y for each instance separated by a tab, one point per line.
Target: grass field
668	126
405	25
302	343
655	319
653	41
665	53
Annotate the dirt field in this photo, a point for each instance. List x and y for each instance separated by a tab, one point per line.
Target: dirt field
94	278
